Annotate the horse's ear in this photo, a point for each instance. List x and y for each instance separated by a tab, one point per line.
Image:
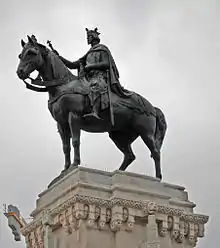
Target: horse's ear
87	30
96	29
29	39
22	43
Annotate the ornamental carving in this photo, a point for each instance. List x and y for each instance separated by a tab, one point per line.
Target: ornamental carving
163	226
179	230
114	214
117	218
36	238
94	214
73	221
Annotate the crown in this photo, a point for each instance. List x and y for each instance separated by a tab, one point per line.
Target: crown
93	32
33	37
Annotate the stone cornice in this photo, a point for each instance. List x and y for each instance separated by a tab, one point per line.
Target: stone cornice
148	208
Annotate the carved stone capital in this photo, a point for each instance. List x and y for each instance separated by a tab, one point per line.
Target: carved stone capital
117	218
201	232
40	236
192	237
46	218
181	232
176	228
33	240
102	222
129	225
163	226
80	210
73	221
94	214
64	221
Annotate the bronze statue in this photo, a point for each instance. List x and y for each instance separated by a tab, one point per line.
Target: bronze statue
93	101
98	67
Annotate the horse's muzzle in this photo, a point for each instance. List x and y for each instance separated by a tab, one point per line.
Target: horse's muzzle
22	74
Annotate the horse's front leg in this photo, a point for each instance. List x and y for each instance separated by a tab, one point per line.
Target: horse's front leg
74	123
65	135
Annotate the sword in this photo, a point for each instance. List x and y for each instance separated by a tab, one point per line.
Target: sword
52	48
110	96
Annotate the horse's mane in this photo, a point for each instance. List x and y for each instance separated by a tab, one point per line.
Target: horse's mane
58	68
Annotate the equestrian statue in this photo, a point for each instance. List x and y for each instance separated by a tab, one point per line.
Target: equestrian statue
93	101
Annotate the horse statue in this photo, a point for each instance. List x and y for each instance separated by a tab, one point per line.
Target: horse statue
69	102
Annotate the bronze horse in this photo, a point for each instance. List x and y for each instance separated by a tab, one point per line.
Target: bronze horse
69	101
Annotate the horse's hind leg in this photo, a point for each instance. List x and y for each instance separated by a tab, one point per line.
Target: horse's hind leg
65	135
123	141
155	154
146	127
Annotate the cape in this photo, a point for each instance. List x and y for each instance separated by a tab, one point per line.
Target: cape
113	71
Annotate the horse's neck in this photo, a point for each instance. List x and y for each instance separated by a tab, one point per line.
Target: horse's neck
46	72
55	69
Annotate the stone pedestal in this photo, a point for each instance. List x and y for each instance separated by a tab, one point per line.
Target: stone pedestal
89	208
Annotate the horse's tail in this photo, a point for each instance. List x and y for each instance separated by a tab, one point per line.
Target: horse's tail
161	127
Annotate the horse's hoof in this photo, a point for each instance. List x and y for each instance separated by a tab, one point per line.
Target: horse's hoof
66	167
63	171
74	165
159	177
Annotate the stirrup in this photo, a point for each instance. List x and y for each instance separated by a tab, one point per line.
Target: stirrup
93	114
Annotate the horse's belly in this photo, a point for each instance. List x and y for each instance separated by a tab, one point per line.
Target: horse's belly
98	126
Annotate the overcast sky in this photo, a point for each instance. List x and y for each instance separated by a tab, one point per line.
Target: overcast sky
168	51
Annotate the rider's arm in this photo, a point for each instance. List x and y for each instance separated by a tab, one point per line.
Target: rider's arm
102	65
69	64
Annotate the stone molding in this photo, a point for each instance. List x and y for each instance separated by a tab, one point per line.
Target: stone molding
147	206
111	189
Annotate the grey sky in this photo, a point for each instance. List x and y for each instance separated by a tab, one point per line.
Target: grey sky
166	50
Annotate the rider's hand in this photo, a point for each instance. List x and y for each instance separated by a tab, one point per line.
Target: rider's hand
87	68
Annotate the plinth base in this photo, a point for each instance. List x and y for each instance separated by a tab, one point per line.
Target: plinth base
89	208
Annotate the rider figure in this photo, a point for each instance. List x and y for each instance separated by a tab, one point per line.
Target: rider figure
97	63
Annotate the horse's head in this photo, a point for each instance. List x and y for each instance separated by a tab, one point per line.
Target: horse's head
31	58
